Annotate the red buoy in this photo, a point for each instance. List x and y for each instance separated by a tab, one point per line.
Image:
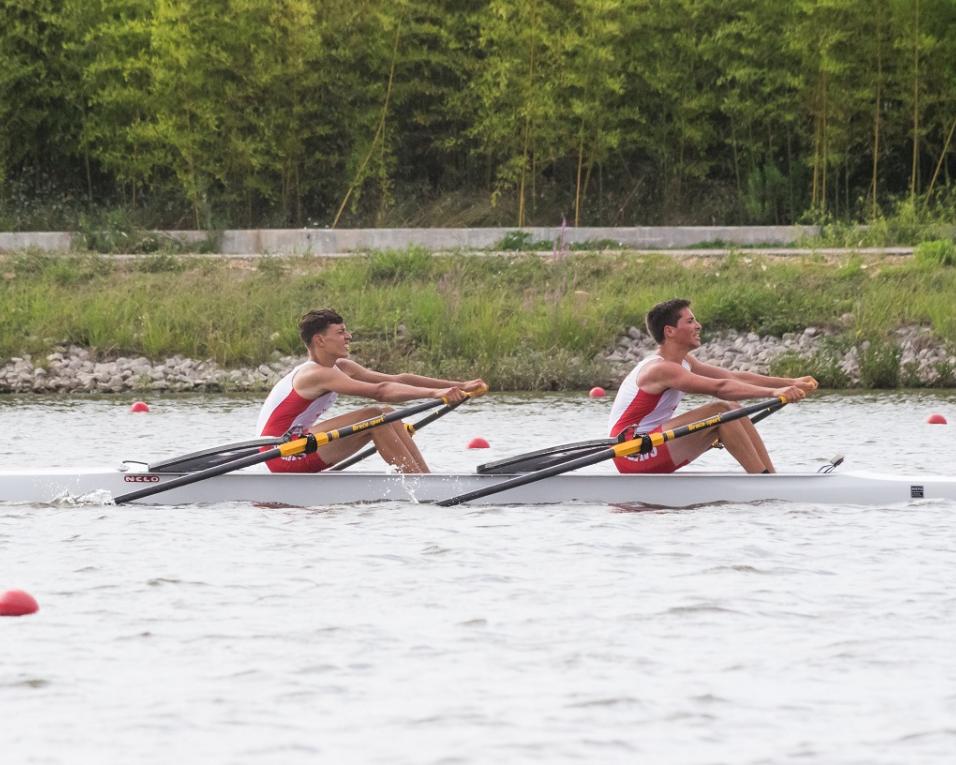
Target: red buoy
17	603
478	443
936	419
139	406
596	392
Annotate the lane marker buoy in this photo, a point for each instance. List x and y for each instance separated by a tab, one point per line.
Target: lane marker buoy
17	603
596	392
936	419
139	406
478	443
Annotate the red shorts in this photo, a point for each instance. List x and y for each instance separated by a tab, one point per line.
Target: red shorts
299	463
657	460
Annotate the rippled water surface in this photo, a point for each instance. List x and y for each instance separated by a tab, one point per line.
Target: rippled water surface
402	633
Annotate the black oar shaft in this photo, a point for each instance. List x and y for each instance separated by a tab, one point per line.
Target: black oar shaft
642	444
412	429
521	480
288	449
766	413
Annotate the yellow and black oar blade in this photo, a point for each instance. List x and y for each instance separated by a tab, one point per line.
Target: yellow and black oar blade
303	445
641	444
413	428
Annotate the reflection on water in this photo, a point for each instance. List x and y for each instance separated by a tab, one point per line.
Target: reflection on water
406	633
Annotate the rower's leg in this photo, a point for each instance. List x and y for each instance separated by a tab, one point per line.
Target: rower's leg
690	447
341	449
736	440
391	440
396	447
412	447
739	437
758	445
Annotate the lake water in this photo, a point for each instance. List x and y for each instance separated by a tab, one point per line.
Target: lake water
402	633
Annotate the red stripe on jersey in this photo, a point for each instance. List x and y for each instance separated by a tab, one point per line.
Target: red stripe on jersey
284	414
641	406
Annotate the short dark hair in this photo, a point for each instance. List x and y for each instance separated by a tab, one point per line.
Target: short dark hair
663	315
317	321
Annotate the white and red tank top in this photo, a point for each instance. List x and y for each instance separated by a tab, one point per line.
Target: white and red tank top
636	408
284	409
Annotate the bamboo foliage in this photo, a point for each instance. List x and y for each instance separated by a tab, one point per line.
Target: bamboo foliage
343	112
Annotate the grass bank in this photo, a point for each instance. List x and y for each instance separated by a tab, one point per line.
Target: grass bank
522	322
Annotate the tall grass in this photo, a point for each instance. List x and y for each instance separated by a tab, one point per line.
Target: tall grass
521	321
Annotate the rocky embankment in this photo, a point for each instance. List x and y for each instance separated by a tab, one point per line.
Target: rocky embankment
77	370
921	358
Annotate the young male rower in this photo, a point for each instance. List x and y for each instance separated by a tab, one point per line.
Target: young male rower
300	398
649	395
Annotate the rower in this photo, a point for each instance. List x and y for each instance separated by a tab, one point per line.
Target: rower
649	395
300	398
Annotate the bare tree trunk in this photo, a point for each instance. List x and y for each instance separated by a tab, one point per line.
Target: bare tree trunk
379	131
914	181
876	112
577	184
942	157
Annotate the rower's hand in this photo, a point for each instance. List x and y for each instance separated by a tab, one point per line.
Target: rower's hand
475	385
450	395
792	393
806	383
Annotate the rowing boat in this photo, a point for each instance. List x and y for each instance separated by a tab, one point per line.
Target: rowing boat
682	489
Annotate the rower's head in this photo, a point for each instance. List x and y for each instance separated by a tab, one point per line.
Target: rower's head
673	321
324	330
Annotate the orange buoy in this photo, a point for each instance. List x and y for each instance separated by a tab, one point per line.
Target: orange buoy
139	406
596	392
478	443
17	603
936	419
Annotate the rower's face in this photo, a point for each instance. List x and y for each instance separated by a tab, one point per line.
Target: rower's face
335	339
687	331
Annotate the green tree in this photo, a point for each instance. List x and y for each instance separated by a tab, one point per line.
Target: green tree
40	98
516	93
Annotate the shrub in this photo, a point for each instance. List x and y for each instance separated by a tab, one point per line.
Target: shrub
940	252
824	365
879	364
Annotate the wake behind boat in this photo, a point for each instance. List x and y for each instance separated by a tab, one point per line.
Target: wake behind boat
681	489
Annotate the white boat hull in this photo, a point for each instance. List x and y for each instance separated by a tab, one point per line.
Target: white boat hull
680	489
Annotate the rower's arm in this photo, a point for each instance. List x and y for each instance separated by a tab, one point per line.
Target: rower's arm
312	383
806	383
663	375
358	372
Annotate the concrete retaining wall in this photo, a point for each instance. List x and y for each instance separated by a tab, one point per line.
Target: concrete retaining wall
345	241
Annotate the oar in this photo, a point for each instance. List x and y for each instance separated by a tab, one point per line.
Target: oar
755	419
766	413
640	445
305	445
525	463
555	455
412	428
178	464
